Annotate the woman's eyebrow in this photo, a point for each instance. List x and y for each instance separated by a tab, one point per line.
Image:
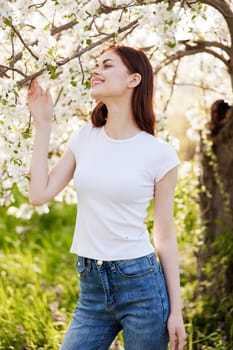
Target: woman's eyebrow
104	61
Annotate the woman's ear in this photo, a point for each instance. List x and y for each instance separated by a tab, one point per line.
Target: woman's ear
135	79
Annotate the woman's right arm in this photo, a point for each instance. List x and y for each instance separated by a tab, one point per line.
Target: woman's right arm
44	185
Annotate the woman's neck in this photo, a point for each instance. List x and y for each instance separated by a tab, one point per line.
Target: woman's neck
120	123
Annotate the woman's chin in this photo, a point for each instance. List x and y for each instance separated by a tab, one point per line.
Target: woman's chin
94	94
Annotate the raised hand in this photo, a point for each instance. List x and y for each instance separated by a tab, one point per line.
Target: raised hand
40	104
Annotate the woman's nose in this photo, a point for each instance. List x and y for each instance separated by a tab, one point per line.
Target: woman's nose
96	70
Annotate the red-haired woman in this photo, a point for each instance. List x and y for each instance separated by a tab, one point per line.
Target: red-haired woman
118	166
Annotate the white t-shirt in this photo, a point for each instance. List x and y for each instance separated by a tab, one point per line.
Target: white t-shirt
115	182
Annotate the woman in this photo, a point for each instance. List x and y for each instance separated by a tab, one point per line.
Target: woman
118	166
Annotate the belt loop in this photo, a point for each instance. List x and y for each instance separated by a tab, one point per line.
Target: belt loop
88	264
113	266
81	262
150	258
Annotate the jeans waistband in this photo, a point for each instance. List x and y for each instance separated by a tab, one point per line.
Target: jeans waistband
88	262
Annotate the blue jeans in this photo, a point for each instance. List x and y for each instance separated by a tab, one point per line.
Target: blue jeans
115	295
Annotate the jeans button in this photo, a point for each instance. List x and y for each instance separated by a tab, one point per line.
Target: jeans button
100	262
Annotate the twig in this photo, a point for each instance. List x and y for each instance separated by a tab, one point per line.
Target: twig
81	66
23	42
4	69
198	86
38	5
58	96
31	77
172	87
13	51
56	30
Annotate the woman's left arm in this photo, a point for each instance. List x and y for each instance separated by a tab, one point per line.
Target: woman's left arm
166	248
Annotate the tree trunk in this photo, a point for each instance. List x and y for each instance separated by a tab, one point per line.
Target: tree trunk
217	178
215	257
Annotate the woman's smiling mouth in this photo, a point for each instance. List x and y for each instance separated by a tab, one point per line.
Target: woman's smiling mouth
96	81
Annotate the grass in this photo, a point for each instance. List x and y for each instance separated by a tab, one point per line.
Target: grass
39	286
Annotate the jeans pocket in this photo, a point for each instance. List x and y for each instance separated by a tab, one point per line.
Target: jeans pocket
134	267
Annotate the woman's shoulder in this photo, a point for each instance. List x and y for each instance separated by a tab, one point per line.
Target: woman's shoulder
157	143
162	155
82	131
78	136
83	128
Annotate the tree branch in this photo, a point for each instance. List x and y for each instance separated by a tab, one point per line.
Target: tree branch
79	53
199	86
56	30
98	42
4	69
172	85
220	5
224	8
191	50
31	77
16	57
205	43
23	42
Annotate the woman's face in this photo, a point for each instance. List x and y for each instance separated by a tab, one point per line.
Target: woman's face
110	78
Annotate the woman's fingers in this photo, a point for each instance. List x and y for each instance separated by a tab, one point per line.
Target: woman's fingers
181	340
40	103
172	337
177	335
35	90
32	89
48	95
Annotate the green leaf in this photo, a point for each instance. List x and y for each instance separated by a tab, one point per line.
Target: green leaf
51	51
47	27
170	8
27	134
73	83
4	102
52	71
169	23
88	41
171	44
7	22
87	84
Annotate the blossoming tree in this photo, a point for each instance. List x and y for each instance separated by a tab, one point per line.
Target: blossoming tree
58	42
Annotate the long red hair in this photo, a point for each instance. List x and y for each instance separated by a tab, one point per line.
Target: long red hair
142	99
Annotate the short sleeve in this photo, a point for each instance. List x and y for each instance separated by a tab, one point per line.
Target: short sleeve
167	161
75	139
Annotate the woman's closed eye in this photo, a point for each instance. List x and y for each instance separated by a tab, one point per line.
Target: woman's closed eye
107	66
104	66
